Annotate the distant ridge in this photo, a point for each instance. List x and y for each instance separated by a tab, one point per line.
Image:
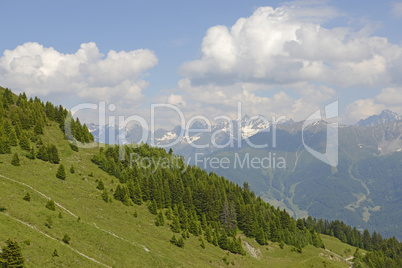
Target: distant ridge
384	117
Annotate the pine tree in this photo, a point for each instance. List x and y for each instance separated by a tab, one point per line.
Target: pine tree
25	143
153	207
5	147
175	225
260	237
137	195
126	199
43	153
61	172
51	205
13	138
160	219
53	154
72	170
16	160
180	242
11	255
223	241
208	234
173	240
100	186
202	243
55	253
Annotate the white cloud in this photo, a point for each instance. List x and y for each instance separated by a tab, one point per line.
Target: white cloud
388	98
277	61
397	9
296	101
39	70
284	45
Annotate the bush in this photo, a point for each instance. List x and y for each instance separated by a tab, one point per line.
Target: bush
55	253
27	197
51	205
66	239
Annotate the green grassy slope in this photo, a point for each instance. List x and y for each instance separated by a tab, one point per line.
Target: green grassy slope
108	234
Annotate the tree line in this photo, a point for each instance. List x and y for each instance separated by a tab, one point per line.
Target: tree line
22	122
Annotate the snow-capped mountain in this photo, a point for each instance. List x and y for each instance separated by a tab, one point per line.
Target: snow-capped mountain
384	117
198	133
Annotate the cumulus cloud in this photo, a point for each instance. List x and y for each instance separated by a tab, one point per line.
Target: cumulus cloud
281	46
116	77
284	61
296	101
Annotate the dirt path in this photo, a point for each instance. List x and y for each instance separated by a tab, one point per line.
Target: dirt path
48	236
342	258
42	194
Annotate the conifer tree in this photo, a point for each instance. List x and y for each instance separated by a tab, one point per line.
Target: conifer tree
175	225
126	199
43	153
173	240
72	170
160	219
153	207
5	147
202	243
100	185
180	242
53	154
66	239
223	241
25	143
55	253
61	172
260	237
51	205
105	195
137	195
12	137
11	255
16	160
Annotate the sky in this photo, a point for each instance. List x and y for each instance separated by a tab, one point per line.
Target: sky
274	57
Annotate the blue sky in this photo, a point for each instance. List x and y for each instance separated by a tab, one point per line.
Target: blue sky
182	62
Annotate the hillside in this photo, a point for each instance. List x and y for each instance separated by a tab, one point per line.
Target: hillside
124	234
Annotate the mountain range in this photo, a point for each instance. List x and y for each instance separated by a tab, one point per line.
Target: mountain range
353	191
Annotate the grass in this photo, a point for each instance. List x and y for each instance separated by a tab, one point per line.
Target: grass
108	232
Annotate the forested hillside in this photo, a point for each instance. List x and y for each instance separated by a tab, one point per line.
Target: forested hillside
142	206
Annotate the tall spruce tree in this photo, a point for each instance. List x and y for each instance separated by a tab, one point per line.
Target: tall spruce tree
11	255
61	172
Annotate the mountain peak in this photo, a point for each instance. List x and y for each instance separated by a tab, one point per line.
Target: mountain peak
384	117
